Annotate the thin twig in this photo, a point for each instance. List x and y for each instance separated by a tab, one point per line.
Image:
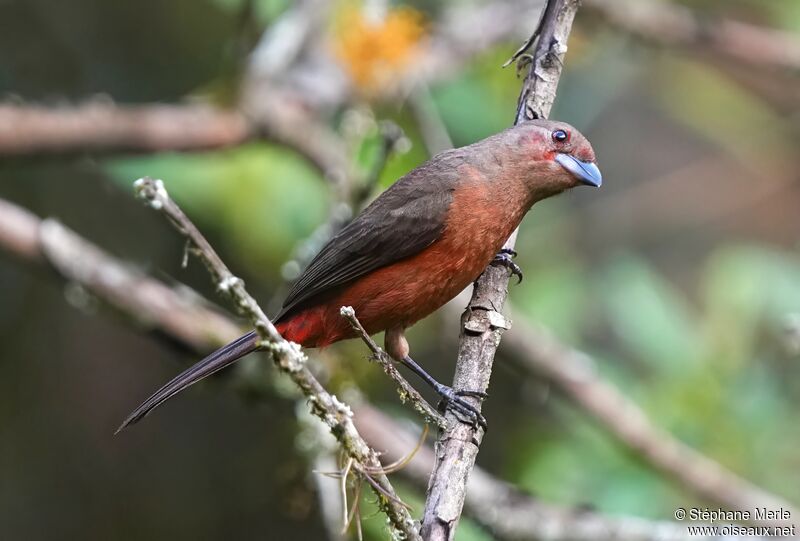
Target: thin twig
482	323
332	500
406	391
348	519
525	47
378	488
287	356
391	135
426	115
403	461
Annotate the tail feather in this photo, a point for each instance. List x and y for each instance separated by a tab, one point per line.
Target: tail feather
218	360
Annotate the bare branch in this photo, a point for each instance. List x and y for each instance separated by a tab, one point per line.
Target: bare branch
482	323
538	91
102	127
287	356
19	232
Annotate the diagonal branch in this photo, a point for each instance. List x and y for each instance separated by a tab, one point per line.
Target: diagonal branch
482	323
406	391
151	304
288	357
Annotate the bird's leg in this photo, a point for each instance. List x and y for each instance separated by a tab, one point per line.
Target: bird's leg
504	258
452	399
397	348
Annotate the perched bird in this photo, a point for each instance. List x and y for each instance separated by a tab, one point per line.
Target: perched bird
418	245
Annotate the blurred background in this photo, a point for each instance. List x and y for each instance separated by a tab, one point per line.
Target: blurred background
680	277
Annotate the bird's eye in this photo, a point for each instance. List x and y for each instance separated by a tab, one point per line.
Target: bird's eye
560	136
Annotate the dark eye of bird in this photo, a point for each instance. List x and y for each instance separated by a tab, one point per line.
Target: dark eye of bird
560	136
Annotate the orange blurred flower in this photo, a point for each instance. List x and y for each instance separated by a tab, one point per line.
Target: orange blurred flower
375	52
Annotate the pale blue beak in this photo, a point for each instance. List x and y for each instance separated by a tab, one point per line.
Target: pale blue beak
586	172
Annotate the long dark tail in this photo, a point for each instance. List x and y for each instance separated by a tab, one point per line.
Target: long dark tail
224	356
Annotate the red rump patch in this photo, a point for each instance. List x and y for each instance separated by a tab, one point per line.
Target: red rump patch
297	329
308	329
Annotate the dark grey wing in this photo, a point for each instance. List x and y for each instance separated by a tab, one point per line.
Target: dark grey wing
404	220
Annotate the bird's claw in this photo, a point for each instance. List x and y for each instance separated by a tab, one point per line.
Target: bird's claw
475	394
465	412
505	259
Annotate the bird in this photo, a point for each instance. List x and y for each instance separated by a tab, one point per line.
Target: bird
416	246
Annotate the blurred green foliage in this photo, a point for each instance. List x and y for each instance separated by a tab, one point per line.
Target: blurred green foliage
263	198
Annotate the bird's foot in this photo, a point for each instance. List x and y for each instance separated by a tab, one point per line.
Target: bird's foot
452	399
465	412
504	258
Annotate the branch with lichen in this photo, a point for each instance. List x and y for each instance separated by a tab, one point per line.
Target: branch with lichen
482	323
289	358
405	390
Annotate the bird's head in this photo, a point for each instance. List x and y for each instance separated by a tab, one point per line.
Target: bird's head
559	155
